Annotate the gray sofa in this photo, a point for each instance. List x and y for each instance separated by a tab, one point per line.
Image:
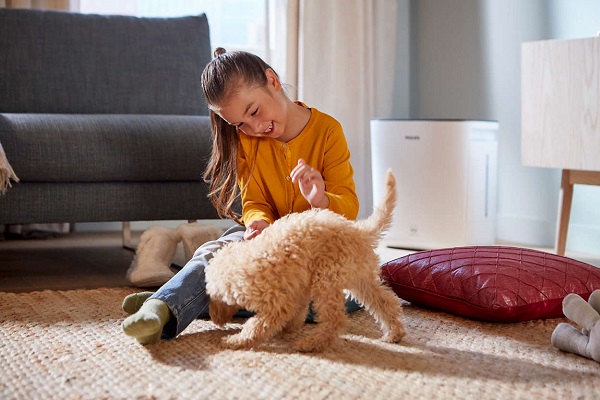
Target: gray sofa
102	117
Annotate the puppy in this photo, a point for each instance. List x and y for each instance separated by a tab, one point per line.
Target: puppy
314	255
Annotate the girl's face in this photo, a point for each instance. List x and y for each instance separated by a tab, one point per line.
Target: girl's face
256	111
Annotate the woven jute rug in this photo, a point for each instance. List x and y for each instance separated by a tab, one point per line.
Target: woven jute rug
69	345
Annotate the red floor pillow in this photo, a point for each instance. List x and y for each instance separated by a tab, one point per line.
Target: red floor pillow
490	283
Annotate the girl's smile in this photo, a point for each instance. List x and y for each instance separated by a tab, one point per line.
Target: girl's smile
269	129
257	111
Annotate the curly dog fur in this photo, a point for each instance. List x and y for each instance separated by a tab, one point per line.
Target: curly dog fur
314	255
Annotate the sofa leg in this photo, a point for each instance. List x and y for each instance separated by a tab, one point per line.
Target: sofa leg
126	232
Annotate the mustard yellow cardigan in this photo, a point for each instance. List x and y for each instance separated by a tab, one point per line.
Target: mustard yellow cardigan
265	164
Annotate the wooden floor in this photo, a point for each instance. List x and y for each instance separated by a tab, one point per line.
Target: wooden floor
72	261
93	260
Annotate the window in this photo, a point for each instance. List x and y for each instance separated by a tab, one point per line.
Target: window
234	24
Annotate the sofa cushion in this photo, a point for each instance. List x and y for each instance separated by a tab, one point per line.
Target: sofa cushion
59	62
105	201
490	283
106	148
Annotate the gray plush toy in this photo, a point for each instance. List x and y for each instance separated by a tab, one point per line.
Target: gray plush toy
586	342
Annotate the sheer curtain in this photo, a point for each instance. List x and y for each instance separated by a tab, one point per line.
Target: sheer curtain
341	58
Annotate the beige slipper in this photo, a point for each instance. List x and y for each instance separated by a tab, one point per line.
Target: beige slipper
152	263
195	235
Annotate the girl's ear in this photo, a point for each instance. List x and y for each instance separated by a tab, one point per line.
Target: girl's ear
273	80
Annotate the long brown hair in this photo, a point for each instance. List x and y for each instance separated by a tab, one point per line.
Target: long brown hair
223	76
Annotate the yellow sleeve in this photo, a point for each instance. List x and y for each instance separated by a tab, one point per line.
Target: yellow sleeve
339	175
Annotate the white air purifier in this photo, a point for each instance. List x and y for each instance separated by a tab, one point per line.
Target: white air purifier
446	173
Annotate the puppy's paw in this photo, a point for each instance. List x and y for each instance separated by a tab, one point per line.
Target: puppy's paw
395	334
237	342
220	313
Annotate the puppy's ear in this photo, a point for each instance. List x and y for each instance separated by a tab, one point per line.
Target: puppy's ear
220	312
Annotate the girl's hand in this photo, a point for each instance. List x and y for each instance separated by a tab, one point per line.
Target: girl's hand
311	184
254	228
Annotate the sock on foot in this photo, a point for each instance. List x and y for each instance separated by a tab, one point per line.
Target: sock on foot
147	324
133	302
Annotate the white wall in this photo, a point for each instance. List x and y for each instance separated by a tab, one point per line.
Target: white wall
527	197
465	64
447	63
402	81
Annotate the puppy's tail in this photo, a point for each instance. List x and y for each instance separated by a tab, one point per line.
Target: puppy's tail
381	219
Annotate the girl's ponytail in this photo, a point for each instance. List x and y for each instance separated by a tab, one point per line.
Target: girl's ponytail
221	77
219	51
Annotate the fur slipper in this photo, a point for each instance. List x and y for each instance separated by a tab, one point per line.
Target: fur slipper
152	263
195	235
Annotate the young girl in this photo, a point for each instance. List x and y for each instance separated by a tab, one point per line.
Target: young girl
279	156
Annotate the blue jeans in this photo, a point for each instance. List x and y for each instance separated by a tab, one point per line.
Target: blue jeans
185	293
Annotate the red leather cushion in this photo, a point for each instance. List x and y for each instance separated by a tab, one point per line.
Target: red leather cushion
490	283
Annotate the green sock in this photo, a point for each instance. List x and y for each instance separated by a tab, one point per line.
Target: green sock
147	324
133	302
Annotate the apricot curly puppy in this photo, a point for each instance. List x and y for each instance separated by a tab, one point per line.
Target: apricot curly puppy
314	255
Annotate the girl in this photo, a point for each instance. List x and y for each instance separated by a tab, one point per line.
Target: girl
277	155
